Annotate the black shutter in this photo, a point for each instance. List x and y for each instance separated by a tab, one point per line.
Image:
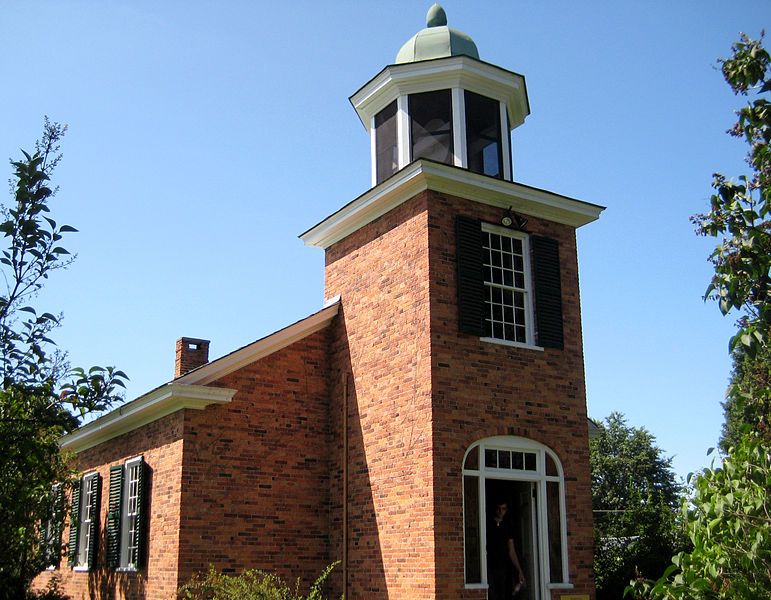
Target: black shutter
56	529
140	525
468	241
114	508
72	546
94	524
548	291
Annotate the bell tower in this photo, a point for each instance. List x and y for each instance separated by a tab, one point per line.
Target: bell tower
457	379
440	102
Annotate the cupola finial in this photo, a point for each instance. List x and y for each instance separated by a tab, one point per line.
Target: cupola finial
436	17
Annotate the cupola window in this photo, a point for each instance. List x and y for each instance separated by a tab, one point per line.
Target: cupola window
483	135
431	126
386	147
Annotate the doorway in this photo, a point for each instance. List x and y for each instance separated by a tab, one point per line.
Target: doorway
521	498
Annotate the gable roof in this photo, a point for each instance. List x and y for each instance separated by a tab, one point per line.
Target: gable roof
191	390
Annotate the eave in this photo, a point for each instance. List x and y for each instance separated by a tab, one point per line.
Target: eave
456	71
154	405
424	174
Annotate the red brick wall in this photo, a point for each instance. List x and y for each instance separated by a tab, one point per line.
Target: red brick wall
420	394
482	389
382	344
160	443
256	473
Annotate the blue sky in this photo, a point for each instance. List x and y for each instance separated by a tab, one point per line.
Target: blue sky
205	136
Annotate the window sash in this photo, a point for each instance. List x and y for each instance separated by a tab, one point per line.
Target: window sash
88	515
130	514
506	275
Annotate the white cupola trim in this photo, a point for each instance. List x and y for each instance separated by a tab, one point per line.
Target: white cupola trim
459	75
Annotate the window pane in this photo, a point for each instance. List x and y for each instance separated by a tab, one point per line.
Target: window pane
551	468
386	149
471	529
472	460
517	462
555	531
530	461
491	458
483	135
431	125
504	459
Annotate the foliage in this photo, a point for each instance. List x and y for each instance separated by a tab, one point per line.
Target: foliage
635	499
40	399
729	524
249	585
748	402
740	210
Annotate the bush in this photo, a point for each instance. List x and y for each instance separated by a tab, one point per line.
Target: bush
249	585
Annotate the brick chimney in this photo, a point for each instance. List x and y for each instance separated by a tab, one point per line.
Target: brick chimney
191	353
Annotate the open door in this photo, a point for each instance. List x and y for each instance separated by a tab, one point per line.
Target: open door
520	496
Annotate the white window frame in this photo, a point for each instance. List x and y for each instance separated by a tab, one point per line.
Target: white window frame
89	485
126	525
539	478
527	290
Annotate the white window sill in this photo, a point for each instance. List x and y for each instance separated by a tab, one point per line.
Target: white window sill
80	569
490	340
126	569
560	586
476	586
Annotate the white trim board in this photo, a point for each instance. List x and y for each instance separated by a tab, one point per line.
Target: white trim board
425	174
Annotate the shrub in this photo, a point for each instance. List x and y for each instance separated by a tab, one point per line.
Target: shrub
252	584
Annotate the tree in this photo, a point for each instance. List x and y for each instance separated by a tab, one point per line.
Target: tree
728	519
40	397
635	499
729	524
739	216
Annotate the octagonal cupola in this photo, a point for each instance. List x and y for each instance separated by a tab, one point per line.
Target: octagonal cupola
440	102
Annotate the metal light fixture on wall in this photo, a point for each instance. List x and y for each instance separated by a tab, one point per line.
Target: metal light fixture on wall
513	220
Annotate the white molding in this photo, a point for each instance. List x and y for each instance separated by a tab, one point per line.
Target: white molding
457	71
424	174
373	149
262	347
506	158
459	128
154	405
403	138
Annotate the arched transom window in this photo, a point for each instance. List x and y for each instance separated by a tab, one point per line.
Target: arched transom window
528	477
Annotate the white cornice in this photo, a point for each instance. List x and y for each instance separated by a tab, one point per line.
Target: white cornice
457	71
154	405
424	174
262	347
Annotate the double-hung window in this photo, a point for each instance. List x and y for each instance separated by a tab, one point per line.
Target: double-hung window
126	515
509	288
507	284
84	522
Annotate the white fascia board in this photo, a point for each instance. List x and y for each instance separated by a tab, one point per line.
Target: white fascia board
423	174
458	71
154	405
262	347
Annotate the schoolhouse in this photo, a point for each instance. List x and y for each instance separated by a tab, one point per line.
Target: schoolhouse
443	374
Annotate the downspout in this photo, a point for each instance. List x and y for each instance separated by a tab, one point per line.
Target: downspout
345	486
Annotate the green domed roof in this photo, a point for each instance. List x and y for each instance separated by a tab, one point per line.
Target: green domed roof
436	40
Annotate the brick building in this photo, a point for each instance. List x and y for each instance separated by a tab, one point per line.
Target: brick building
443	376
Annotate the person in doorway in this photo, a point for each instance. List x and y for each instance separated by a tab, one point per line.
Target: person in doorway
504	573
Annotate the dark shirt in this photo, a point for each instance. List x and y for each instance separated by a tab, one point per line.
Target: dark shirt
498	537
